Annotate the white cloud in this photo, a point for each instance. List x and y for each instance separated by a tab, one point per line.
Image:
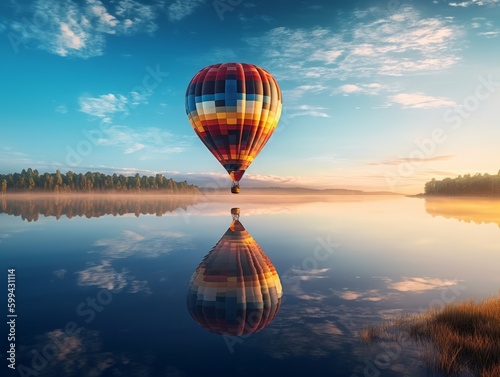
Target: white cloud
328	56
102	276
105	21
64	30
370	45
60	273
220	179
69	28
364	49
70	38
180	9
465	4
312	296
151	245
350	88
419	284
269	179
350	295
136	17
354	180
133	148
152	142
484	27
10	157
105	276
307	110
300	91
406	284
137	98
373	88
313	274
368	295
291	287
105	106
421	101
490	34
61	109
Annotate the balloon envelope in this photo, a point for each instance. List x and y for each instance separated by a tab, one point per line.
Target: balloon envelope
235	290
234	109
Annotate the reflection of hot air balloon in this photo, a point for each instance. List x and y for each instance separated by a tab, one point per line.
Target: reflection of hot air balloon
233	108
235	290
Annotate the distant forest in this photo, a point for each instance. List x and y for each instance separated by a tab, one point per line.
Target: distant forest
467	185
32	181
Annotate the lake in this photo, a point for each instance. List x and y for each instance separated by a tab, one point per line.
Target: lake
121	286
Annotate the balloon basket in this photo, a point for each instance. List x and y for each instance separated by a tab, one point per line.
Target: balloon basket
235	187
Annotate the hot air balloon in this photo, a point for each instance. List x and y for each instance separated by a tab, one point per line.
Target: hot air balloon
234	109
235	290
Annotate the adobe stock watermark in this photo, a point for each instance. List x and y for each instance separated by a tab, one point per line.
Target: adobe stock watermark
91	138
39	21
426	147
323	250
284	122
87	311
405	9
391	351
223	6
203	199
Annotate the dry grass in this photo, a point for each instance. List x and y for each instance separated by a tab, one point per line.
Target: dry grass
371	333
463	336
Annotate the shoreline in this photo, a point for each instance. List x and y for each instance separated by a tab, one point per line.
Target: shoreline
456	197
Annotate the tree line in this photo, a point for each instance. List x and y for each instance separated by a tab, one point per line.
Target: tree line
32	181
466	185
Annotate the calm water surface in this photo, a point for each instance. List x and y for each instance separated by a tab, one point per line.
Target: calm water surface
102	285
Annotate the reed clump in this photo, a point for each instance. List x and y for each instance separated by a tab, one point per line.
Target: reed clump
461	337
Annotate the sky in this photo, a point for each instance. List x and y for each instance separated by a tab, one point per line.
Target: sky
377	95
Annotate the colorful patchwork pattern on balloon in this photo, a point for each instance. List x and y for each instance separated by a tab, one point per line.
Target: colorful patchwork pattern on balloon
235	289
234	109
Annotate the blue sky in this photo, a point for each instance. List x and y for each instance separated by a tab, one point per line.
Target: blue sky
377	95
